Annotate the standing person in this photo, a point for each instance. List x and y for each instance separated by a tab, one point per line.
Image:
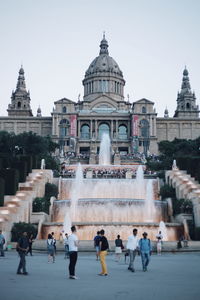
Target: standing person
66	246
73	252
132	247
96	244
159	238
118	248
54	242
22	248
30	241
145	250
103	247
50	249
2	242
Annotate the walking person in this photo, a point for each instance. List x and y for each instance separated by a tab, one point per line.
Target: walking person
22	248
132	247
145	250
73	252
118	248
50	249
66	246
54	242
2	242
159	238
96	244
30	241
103	246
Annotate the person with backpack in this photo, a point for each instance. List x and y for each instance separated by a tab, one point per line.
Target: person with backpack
145	250
50	249
2	242
22	249
96	244
103	246
118	248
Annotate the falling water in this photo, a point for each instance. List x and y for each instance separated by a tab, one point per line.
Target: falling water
75	194
163	229
149	208
139	184
104	153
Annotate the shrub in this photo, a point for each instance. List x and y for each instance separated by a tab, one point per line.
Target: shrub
2	191
41	205
19	228
11	177
21	166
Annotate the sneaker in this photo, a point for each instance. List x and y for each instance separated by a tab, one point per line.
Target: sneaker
19	273
73	277
25	273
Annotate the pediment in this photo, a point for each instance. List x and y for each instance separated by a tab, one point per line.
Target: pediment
103	100
64	101
143	101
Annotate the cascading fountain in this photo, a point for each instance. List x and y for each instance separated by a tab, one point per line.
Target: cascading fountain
117	205
104	153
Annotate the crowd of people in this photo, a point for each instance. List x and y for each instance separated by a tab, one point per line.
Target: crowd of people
134	246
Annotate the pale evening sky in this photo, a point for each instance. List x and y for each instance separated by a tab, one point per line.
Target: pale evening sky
56	40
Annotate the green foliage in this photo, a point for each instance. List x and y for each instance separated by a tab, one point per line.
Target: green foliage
2	191
28	144
11	177
18	229
197	233
51	190
21	166
181	206
167	191
42	204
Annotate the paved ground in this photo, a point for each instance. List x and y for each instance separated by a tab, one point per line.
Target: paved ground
170	276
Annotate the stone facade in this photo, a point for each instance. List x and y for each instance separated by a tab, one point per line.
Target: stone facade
78	126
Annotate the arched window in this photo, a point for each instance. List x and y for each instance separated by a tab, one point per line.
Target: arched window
85	131
122	132
188	105
144	110
18	104
64	110
103	128
64	128
144	128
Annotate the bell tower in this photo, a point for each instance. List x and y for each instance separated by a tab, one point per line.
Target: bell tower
186	100
20	98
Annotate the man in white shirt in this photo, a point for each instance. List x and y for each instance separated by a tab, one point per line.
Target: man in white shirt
132	247
73	252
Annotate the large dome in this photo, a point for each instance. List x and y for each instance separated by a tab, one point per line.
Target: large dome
103	76
104	62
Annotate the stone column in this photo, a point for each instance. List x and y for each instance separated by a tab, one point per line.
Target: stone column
79	129
90	129
150	125
116	129
96	130
111	133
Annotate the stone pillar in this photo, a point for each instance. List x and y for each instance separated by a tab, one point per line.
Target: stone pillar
111	133
96	130
116	129
79	129
90	129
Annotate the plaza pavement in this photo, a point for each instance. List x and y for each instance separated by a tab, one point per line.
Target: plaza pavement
171	276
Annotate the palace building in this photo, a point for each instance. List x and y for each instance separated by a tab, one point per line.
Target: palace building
78	125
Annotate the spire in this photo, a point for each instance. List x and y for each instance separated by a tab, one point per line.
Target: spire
185	87
20	99
104	45
21	80
39	112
